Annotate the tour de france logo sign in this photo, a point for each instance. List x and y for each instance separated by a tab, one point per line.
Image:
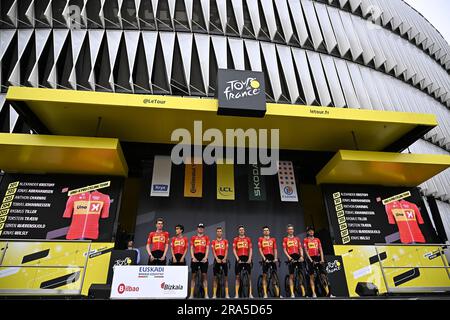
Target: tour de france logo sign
241	93
238	89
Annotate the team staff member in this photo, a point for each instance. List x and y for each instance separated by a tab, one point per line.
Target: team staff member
220	251
157	244
292	247
130	246
314	255
179	247
268	250
199	254
243	251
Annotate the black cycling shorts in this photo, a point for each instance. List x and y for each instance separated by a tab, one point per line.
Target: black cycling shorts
269	262
320	266
157	254
295	256
291	266
202	265
238	267
177	262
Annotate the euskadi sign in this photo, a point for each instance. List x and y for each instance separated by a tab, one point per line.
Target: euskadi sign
150	282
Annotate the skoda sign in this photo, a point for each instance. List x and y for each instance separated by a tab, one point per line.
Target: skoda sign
241	93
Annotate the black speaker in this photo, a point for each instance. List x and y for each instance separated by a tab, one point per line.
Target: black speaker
366	289
99	291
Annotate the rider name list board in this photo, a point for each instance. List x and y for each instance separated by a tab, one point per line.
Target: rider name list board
22	207
368	215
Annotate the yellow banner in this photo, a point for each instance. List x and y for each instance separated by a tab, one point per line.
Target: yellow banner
193	178
93	187
225	181
397	197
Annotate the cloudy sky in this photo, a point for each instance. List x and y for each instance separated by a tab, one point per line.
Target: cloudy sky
437	12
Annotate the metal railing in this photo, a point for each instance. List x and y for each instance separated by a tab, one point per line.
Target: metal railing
445	287
9	270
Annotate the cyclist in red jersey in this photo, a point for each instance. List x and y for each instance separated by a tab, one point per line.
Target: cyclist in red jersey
292	247
179	246
269	253
242	249
314	255
220	251
199	256
157	244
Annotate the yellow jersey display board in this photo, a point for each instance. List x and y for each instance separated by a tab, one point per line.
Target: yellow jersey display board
395	269
52	268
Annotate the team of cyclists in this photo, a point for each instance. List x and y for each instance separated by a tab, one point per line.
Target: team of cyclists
295	251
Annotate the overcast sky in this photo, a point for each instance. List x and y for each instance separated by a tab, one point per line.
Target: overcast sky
437	12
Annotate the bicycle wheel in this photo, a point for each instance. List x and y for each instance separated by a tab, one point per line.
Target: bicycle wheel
221	285
196	286
308	287
274	285
299	284
323	279
287	286
244	288
199	292
259	287
318	285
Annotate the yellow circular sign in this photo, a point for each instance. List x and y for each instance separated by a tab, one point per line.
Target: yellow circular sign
255	84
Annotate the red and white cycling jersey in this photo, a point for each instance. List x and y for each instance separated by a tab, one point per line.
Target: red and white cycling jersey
407	217
86	209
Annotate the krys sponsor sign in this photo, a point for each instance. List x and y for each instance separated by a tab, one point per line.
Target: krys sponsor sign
241	93
142	282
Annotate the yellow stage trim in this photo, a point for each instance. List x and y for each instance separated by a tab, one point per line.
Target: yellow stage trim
152	119
382	168
25	153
